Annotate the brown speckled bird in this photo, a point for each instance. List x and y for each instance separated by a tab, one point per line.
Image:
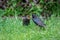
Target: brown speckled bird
26	20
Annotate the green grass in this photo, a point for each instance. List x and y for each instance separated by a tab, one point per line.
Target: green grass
12	29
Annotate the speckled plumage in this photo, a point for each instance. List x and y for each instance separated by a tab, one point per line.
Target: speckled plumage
37	21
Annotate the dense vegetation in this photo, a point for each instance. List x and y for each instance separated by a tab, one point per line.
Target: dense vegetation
11	27
17	7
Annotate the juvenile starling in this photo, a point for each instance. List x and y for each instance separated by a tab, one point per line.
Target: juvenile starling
26	20
37	21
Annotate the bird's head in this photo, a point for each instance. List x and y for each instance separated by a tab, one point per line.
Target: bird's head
34	16
28	17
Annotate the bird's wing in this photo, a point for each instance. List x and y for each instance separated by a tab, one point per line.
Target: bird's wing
38	21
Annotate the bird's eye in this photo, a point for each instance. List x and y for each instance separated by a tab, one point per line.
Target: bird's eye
33	16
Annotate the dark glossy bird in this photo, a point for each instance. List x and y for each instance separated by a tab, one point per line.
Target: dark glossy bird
37	20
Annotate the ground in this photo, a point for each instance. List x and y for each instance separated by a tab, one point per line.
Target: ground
12	29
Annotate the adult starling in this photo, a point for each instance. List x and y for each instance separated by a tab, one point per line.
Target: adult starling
37	21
